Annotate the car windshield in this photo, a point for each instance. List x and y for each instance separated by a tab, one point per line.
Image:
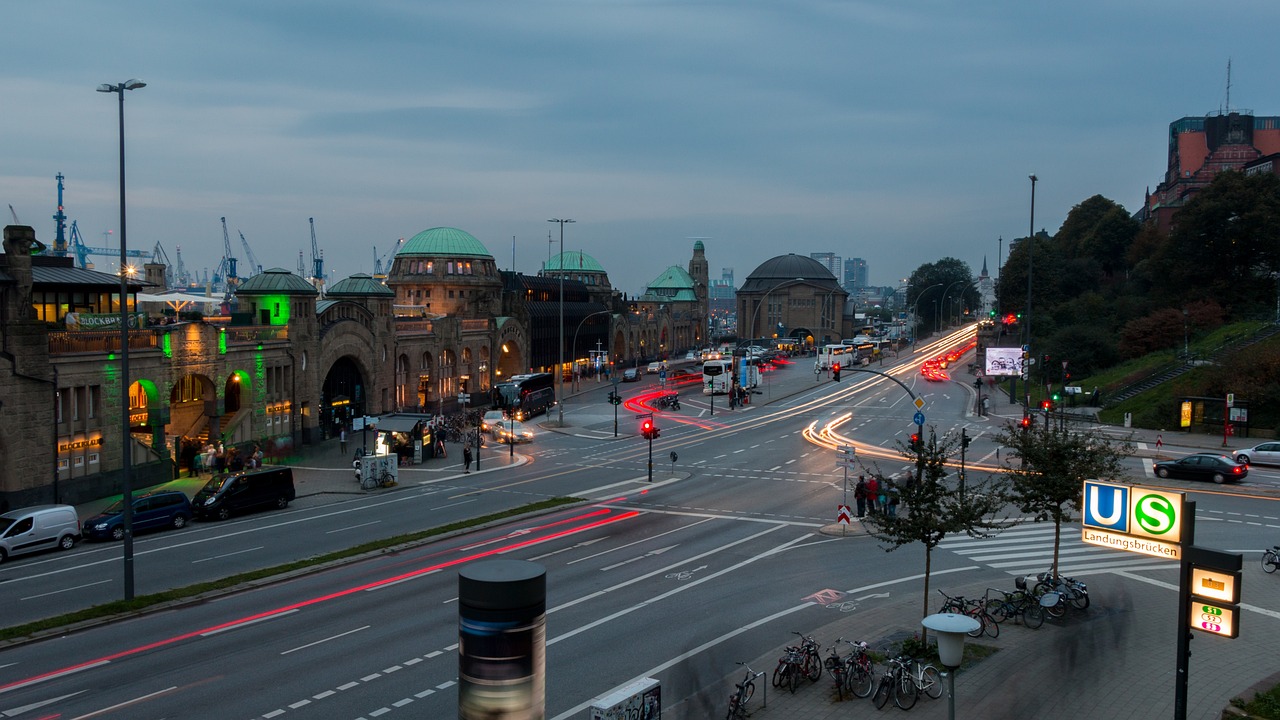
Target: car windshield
114	508
216	482
5	524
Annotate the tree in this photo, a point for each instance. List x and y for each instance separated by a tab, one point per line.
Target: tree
1051	469
929	509
954	280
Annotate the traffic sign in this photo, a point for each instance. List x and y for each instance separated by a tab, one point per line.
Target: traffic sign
919	403
843	516
1215	619
464	397
846	450
919	418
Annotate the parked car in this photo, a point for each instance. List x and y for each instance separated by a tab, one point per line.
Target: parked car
490	420
1203	466
151	511
231	493
513	431
631	374
654	367
1268	453
36	528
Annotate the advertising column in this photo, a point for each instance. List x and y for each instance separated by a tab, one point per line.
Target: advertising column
502	606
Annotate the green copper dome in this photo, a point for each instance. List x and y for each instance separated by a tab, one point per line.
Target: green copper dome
275	281
443	242
573	261
359	285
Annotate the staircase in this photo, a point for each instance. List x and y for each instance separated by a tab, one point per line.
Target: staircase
1169	372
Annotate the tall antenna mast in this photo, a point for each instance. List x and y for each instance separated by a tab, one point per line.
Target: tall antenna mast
1228	86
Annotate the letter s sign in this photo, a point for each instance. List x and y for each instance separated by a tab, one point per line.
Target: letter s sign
1157	515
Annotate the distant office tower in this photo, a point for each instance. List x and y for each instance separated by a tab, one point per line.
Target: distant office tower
855	273
830	261
722	291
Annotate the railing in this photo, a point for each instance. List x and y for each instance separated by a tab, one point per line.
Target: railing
254	334
475	325
62	342
414	325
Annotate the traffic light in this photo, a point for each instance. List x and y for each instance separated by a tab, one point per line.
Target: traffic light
649	430
964	438
615	398
1026	422
1046	405
915	442
835	371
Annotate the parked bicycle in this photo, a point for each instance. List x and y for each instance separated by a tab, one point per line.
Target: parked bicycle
1017	604
789	670
926	678
975	609
1059	592
896	681
745	691
373	481
1271	559
812	656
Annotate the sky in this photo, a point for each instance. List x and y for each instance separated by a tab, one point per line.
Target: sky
897	131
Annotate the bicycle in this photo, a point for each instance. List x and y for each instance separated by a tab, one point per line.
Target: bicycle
1018	603
1271	559
896	680
787	673
810	649
745	691
975	609
926	678
374	481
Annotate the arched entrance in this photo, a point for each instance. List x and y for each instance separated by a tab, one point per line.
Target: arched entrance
510	360
342	396
193	404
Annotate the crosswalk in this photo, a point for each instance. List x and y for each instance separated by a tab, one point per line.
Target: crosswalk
1028	549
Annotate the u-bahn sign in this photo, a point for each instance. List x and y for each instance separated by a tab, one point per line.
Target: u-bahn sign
1133	518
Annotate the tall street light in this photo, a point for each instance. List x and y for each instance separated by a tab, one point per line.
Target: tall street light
751	329
915	316
127	451
573	349
1031	246
560	370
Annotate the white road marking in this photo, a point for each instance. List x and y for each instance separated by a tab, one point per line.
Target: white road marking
55	592
352	527
318	642
227	555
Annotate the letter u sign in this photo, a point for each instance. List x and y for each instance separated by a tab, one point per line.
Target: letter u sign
1106	507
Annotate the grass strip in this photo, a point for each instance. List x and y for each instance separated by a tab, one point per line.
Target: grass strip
142	602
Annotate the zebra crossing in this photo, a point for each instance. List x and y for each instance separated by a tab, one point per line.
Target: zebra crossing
1028	549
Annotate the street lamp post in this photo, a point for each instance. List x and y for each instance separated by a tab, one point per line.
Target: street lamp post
560	370
915	315
944	302
574	347
126	482
1031	246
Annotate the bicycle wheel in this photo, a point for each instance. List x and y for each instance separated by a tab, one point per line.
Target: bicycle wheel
932	681
734	706
1033	616
883	691
1057	610
905	691
779	672
998	610
981	624
840	677
860	681
368	482
748	692
813	667
990	626
793	677
1270	562
1079	599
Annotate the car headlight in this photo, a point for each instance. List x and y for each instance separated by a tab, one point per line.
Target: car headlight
209	501
100	526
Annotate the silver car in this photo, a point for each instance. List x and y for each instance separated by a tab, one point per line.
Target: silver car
1268	453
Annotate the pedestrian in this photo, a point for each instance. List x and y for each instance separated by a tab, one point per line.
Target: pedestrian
892	493
873	491
342	440
466	458
860	495
256	458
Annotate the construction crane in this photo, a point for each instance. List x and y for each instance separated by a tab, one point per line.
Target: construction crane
158	256
60	239
225	277
255	267
317	257
384	261
83	251
180	270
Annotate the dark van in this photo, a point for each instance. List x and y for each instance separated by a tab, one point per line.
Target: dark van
151	511
232	493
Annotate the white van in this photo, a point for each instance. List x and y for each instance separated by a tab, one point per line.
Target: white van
42	527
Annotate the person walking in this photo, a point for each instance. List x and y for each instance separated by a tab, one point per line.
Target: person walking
891	502
342	440
860	495
873	492
466	458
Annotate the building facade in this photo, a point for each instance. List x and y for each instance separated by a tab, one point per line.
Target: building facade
792	296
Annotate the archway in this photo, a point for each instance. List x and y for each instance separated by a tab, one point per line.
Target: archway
342	397
425	392
402	381
193	403
510	360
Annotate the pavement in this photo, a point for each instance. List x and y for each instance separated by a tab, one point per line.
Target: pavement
1088	665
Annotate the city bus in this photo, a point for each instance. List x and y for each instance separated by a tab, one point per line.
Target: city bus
717	376
523	396
841	354
749	370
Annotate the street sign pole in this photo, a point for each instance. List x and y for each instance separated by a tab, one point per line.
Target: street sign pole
615	406
1184	611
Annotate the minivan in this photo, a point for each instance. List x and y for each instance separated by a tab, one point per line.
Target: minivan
151	511
42	527
235	492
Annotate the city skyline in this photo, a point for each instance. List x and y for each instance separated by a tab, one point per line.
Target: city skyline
862	130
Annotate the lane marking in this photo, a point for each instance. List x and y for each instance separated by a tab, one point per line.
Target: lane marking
227	555
55	592
318	642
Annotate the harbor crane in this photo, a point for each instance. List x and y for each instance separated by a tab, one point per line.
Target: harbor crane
225	276
382	263
255	267
82	251
317	257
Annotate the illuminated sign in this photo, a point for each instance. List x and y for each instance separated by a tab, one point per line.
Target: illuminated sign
1132	510
1215	585
1131	543
1185	417
1214	619
80	444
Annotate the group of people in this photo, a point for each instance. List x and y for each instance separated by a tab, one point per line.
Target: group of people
216	458
878	495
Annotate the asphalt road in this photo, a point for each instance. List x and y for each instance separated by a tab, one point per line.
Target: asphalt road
716	561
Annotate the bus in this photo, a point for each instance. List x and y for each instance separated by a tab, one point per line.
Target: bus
749	370
523	396
717	376
840	354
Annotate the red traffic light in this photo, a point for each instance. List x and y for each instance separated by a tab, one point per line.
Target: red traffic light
835	367
1046	405
646	427
1026	422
